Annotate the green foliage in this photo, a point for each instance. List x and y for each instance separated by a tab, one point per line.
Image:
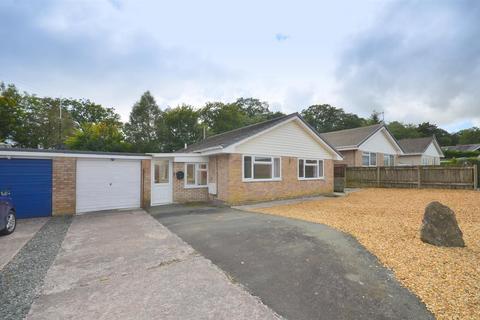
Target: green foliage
144	127
403	131
460	154
428	129
181	125
101	136
374	118
11	113
84	111
469	136
325	118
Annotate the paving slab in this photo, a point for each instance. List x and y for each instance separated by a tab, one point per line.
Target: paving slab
126	265
11	244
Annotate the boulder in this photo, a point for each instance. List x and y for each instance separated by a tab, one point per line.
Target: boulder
440	226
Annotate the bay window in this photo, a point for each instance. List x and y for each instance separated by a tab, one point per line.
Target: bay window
369	159
310	169
262	168
196	175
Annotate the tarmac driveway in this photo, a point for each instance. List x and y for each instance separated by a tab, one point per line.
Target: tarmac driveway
300	270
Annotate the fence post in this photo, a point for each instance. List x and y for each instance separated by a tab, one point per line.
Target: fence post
419	177
475	176
378	177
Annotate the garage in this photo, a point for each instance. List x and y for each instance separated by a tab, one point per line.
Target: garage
29	182
103	184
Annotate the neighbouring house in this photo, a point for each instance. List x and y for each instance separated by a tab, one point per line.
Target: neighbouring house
369	146
463	147
279	158
420	151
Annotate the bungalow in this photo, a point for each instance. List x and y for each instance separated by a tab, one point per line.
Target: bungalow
369	146
420	151
463	147
279	158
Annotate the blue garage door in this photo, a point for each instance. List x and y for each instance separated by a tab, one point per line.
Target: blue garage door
30	183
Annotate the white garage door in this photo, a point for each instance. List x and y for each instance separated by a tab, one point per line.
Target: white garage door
104	184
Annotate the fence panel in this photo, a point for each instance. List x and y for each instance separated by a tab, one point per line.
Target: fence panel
412	177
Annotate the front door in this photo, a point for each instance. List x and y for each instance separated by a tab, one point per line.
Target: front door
161	182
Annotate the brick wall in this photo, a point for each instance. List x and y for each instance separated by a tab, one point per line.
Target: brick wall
237	191
182	194
146	183
63	186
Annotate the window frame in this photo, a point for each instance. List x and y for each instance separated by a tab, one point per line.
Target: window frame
196	170
391	160
369	159
318	177
252	165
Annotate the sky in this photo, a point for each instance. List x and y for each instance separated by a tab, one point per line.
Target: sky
414	60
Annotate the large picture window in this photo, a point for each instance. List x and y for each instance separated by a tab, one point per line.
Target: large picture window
261	168
310	169
196	175
369	159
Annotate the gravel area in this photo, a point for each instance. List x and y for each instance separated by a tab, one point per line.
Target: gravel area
387	223
22	278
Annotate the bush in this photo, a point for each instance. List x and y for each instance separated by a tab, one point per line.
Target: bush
460	154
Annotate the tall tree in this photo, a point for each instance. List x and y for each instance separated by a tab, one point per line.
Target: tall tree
427	129
85	111
181	126
11	112
403	131
374	118
469	136
220	117
326	118
144	127
103	136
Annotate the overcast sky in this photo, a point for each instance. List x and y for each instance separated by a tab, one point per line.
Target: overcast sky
414	60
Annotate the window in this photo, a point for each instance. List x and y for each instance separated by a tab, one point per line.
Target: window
261	168
310	169
196	175
161	171
388	160
369	159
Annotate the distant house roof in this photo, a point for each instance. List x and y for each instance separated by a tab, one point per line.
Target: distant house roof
418	145
351	137
228	138
464	147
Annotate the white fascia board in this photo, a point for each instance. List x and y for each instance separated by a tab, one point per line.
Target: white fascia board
43	155
181	157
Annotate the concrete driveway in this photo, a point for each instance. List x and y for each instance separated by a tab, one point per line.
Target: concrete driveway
118	265
301	270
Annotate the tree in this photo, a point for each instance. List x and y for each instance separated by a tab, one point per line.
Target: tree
374	118
11	112
427	129
220	117
85	111
144	127
326	118
101	136
469	136
403	131
181	126
256	110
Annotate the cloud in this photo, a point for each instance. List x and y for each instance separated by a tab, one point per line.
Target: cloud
87	49
419	61
280	37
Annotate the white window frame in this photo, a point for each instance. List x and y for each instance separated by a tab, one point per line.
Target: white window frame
305	164
272	162
197	169
369	159
391	160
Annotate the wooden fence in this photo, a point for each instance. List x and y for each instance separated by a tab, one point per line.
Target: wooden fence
413	177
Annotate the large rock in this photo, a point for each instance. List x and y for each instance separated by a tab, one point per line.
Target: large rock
440	226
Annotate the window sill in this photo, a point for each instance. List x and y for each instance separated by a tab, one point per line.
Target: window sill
195	187
261	180
309	179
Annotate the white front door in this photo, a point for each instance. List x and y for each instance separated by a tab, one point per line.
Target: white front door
162	189
104	184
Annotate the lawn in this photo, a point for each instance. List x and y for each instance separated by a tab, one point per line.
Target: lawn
387	223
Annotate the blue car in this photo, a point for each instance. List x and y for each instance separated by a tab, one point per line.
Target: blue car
8	219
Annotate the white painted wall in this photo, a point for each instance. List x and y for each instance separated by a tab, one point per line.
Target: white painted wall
289	139
432	151
380	143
